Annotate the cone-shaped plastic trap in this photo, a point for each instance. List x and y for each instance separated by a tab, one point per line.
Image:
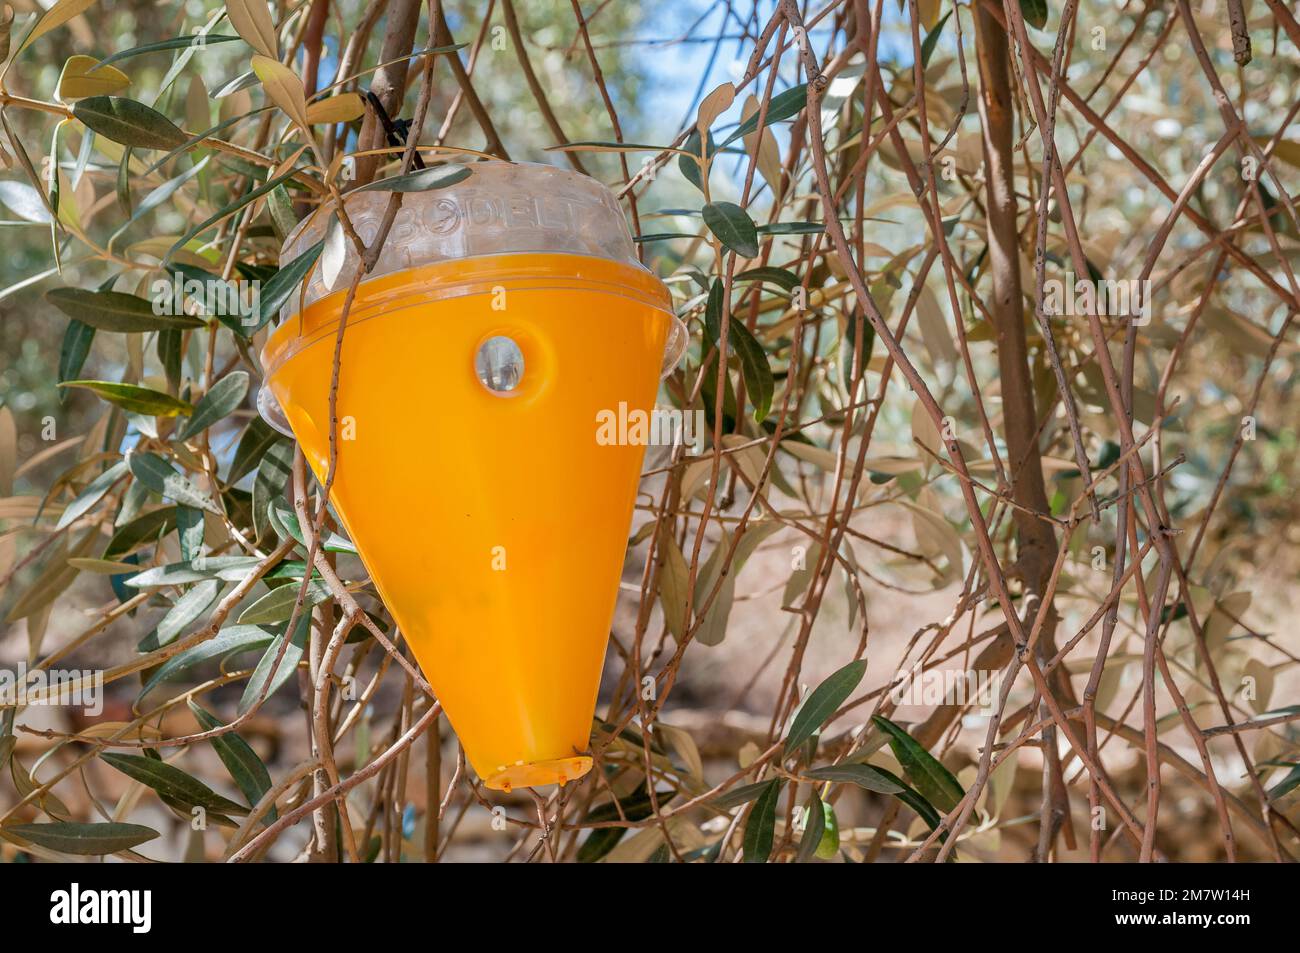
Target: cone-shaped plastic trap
505	314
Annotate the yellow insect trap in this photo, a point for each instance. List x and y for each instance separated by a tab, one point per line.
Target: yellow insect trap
505	314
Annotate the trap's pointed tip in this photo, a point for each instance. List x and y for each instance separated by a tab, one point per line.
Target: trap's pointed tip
534	774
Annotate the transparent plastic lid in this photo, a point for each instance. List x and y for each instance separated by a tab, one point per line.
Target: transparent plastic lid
500	208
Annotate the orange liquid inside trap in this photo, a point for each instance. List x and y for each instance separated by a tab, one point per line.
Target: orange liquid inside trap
493	524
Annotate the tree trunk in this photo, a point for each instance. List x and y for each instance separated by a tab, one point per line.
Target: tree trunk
1035	540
